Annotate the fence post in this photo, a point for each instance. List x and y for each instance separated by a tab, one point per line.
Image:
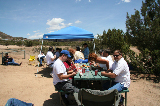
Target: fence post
2	57
24	54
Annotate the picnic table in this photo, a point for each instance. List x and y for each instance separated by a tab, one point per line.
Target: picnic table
90	77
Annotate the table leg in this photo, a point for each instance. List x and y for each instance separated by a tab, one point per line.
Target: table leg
125	98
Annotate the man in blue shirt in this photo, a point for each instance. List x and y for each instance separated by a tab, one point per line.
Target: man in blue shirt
86	51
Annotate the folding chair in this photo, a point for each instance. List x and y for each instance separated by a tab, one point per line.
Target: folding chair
88	97
32	60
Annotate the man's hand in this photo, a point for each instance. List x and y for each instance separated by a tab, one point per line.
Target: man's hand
102	73
74	73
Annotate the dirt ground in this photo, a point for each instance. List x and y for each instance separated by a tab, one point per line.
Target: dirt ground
34	84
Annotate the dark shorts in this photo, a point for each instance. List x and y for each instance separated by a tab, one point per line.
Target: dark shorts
66	86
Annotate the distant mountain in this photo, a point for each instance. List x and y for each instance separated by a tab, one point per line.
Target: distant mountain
5	36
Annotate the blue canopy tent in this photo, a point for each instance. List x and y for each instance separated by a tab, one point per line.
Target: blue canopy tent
70	33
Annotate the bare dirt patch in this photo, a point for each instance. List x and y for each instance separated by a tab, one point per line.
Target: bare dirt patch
23	82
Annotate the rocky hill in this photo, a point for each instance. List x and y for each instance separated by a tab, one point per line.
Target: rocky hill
5	36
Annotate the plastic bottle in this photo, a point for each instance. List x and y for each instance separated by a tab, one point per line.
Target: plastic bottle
87	71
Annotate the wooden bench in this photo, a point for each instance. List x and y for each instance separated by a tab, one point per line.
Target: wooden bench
125	91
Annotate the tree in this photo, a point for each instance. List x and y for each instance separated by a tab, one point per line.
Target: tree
143	31
114	39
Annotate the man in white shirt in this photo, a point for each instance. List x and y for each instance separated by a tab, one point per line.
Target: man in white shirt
106	56
41	57
119	71
60	76
50	58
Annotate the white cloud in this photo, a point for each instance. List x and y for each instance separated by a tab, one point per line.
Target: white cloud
36	36
36	31
80	0
28	34
78	22
56	24
126	1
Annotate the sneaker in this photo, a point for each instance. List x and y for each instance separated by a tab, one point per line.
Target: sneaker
20	63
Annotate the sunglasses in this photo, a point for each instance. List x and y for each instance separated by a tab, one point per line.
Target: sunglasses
115	55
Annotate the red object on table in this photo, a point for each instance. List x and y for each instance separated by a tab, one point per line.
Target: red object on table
96	71
83	70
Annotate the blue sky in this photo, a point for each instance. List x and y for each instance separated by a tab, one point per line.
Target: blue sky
33	18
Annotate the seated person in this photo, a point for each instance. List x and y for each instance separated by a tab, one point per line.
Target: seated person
41	57
9	60
106	56
93	58
77	54
119	71
60	76
68	64
50	57
101	52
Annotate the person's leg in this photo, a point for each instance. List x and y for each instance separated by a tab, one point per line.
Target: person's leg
70	88
41	61
11	62
118	86
16	102
67	87
14	62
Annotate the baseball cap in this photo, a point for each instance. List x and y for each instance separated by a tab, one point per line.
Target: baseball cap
66	52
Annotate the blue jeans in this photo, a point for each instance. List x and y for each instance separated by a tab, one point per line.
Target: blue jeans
12	63
114	85
41	59
16	102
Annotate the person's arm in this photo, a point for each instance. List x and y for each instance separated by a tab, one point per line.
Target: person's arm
111	75
53	58
61	76
103	61
70	72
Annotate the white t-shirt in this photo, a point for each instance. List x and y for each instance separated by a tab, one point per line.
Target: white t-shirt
49	55
121	69
109	58
78	55
40	55
58	68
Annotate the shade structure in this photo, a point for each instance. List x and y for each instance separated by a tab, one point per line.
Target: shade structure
70	33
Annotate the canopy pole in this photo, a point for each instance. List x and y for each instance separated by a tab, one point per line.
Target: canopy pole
94	46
